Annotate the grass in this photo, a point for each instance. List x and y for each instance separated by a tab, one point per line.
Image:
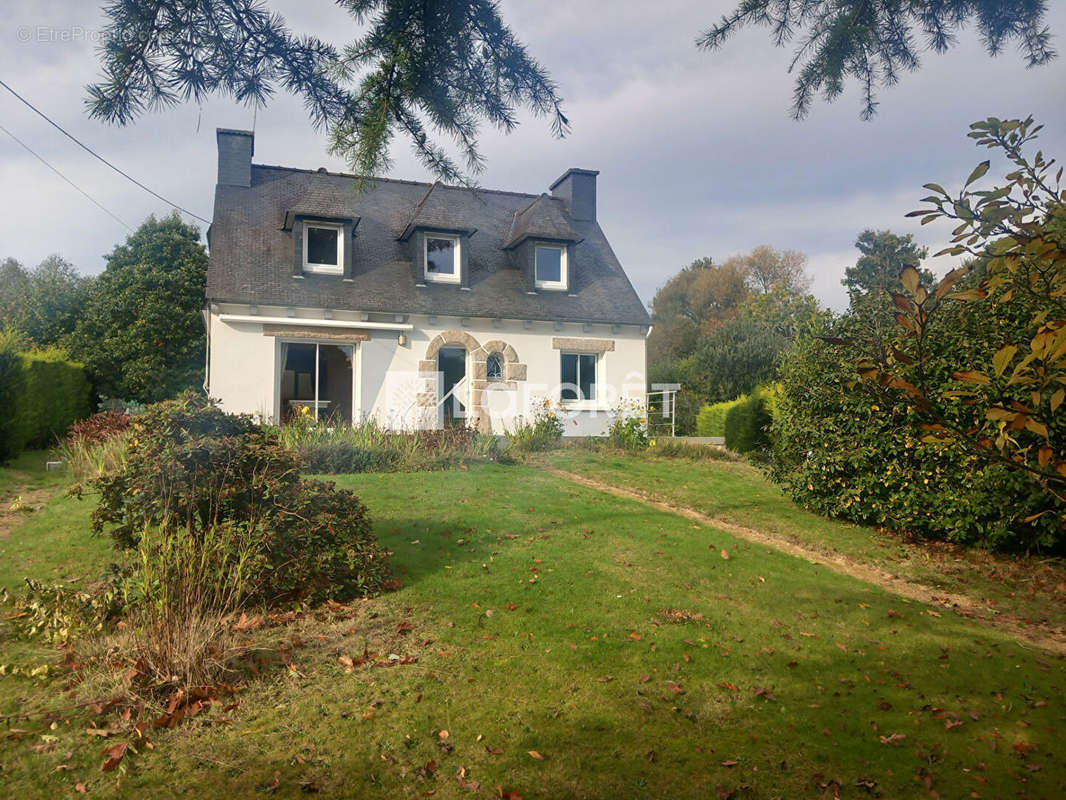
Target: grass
26	472
613	640
1031	589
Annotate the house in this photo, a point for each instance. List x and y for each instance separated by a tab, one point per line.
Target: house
419	305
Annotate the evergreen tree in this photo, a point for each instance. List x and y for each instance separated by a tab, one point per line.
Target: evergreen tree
142	335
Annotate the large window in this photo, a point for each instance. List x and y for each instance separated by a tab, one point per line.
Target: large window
316	379
550	266
578	377
442	258
323	248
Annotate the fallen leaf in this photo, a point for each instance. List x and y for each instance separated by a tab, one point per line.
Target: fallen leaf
724	554
536	755
893	738
114	756
730	763
79	787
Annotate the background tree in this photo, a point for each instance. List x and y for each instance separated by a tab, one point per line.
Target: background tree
43	303
883	255
412	68
873	42
13	282
770	269
692	303
141	334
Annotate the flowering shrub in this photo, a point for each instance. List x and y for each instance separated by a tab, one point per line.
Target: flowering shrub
542	432
629	428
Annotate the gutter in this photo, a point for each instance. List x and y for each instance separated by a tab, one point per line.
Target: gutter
299	322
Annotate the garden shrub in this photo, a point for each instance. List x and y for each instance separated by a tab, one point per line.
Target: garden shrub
96	445
711	418
42	393
9	367
192	467
846	452
747	425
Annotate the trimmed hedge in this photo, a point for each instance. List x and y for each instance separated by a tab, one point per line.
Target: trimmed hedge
710	421
42	392
747	425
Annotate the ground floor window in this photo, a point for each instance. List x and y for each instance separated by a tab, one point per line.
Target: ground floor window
578	376
319	377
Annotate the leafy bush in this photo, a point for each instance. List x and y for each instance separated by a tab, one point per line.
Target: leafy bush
711	418
96	445
847	452
747	426
542	432
99	427
191	466
43	393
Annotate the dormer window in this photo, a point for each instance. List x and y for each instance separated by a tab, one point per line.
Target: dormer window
323	248
550	266
442	258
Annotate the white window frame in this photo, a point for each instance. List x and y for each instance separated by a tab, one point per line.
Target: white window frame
564	267
583	402
325	269
457	264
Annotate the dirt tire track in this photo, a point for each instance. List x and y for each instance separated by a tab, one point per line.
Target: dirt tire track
964	605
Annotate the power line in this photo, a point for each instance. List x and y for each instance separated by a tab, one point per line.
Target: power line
91	199
99	157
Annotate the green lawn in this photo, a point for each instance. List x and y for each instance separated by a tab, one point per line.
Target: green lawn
1030	589
615	641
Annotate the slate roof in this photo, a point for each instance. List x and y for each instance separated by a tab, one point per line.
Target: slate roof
544	218
251	256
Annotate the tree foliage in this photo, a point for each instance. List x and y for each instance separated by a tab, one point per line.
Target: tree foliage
769	269
883	255
141	334
412	68
874	41
1003	403
43	303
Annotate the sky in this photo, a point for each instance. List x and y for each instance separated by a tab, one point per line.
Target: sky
697	153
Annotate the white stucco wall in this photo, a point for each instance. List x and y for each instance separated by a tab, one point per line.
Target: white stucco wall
243	367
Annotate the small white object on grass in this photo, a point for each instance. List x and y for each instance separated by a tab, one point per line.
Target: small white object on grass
52	465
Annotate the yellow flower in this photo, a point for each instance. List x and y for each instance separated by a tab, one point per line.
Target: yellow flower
651	443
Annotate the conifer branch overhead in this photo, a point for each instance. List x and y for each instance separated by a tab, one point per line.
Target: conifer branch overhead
420	69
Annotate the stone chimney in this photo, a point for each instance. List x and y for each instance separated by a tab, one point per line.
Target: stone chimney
577	189
235	150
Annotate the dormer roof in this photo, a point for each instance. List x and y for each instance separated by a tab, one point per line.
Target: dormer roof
543	218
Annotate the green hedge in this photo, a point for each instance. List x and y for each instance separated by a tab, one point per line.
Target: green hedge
43	393
711	418
747	425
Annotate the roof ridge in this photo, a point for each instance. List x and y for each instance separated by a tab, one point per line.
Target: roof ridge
473	189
